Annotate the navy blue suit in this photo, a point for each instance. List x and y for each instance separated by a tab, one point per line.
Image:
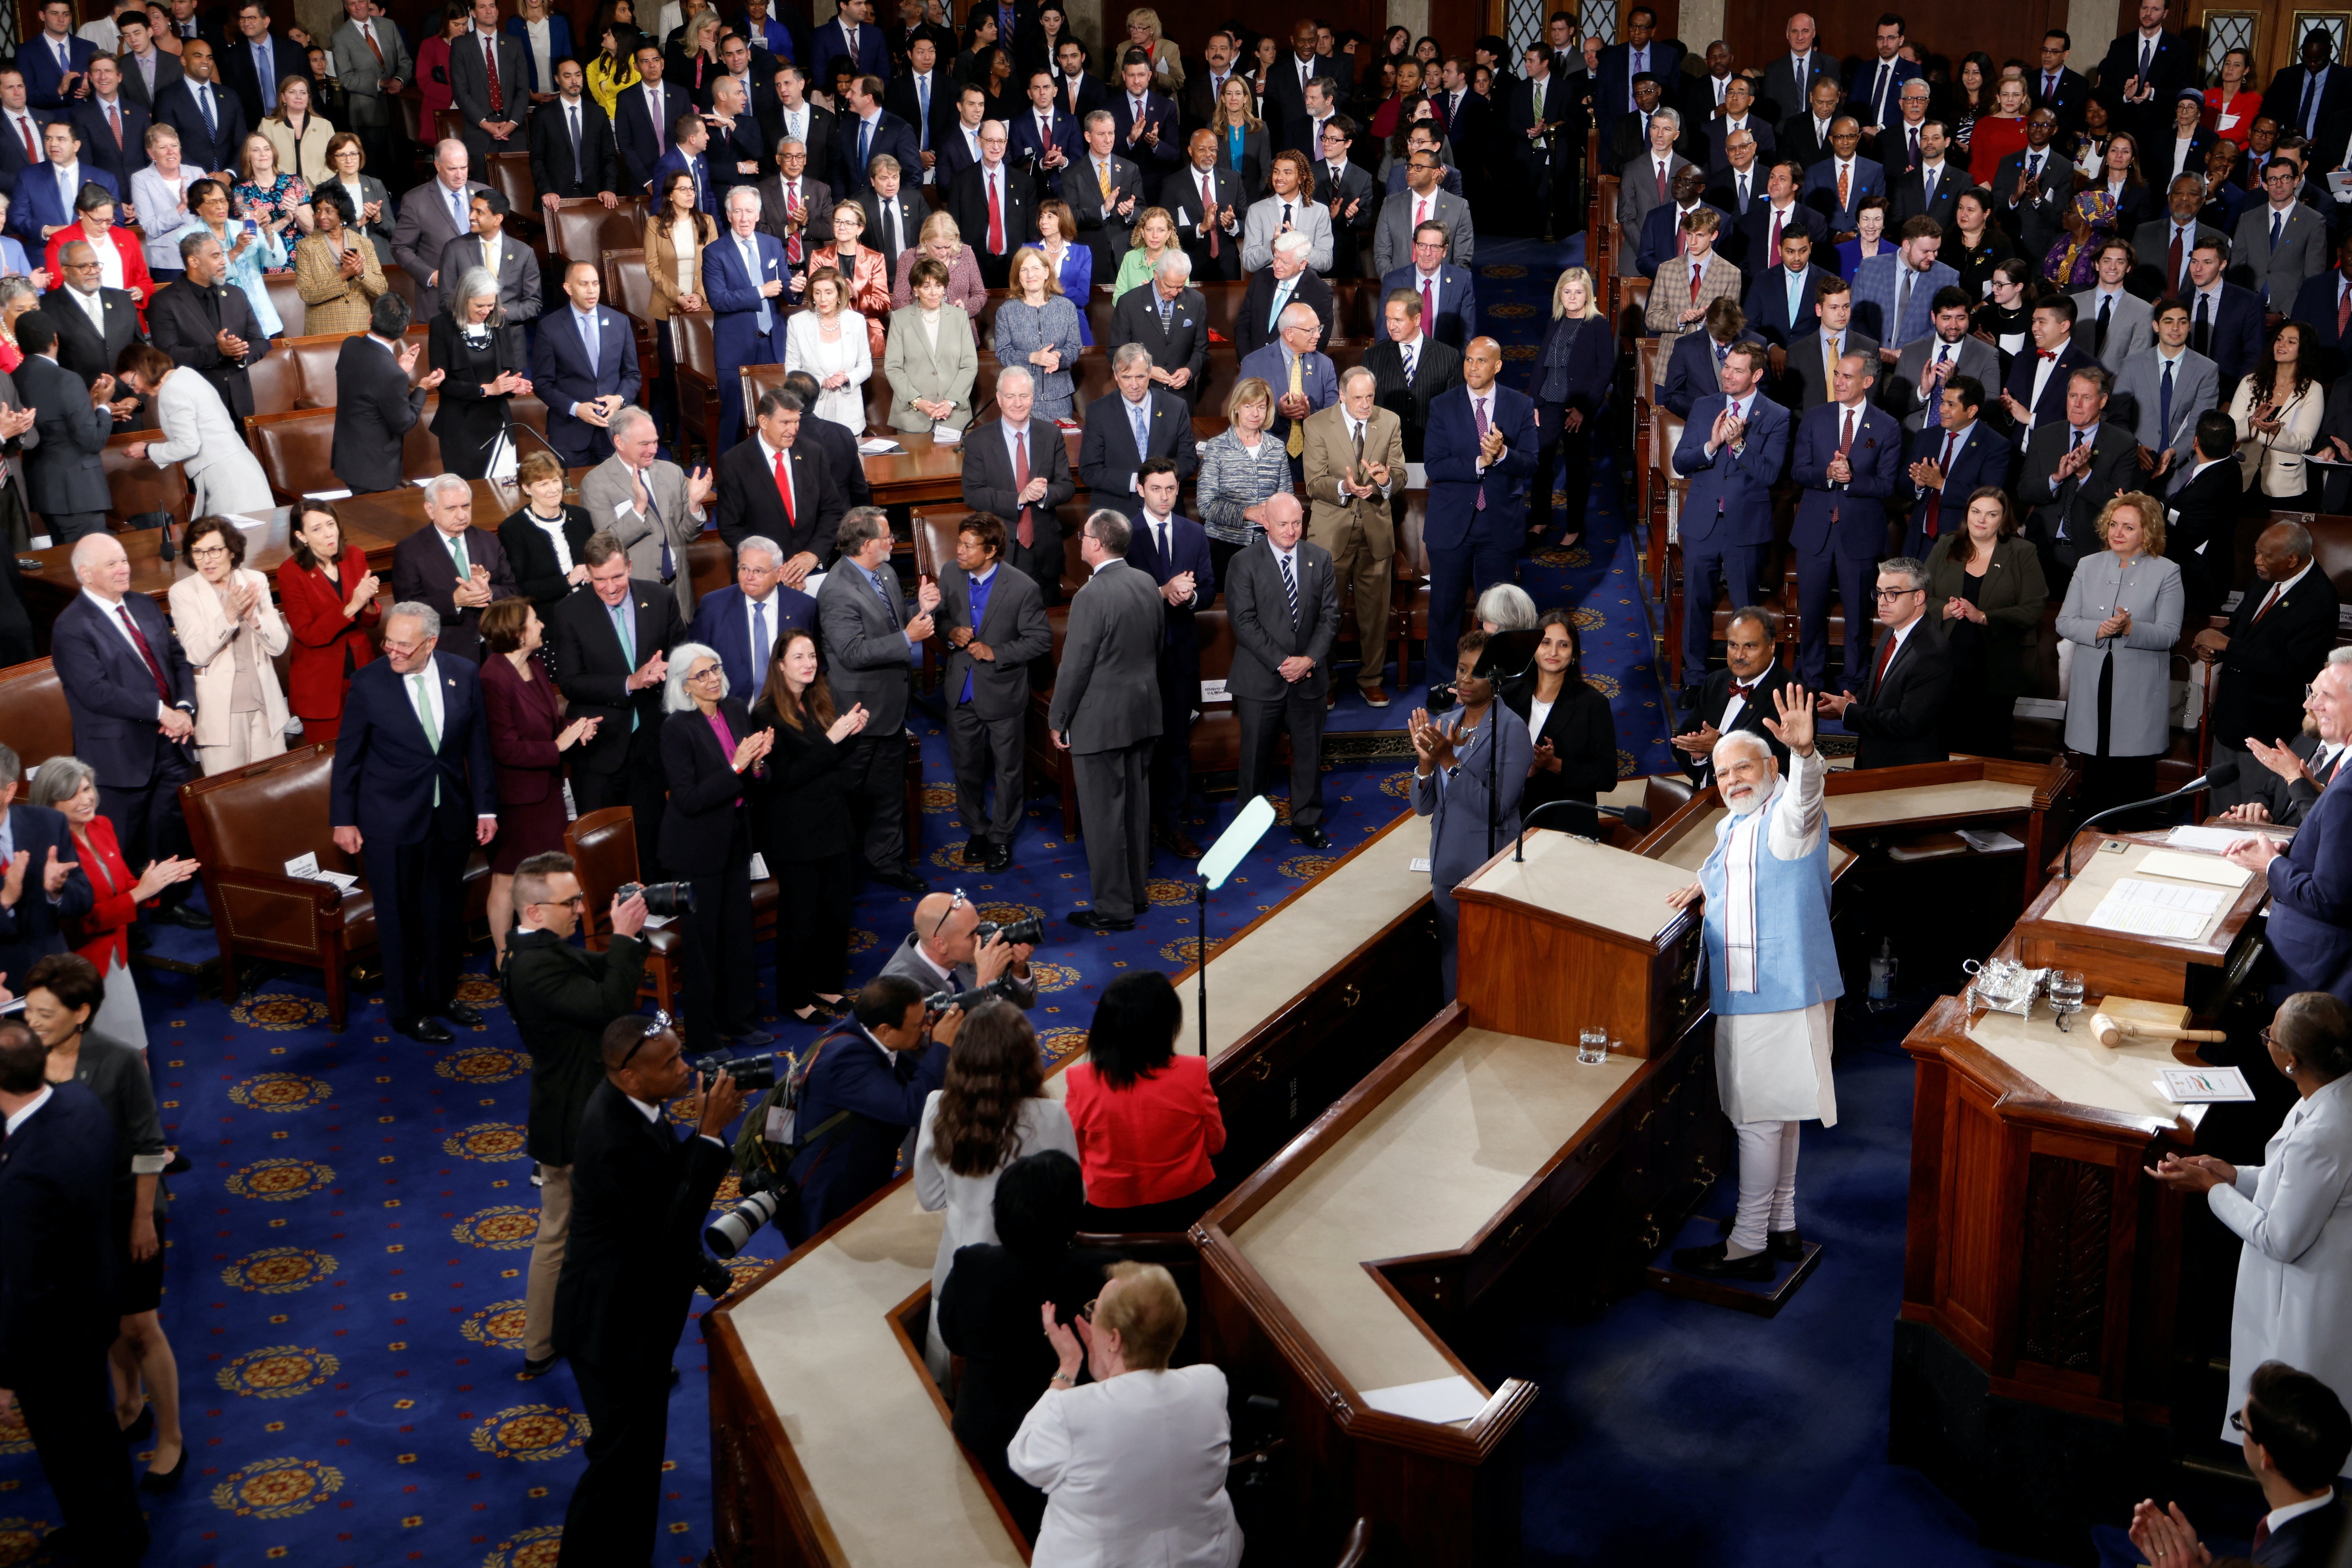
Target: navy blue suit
1661	237
2236	335
1840	532
413	847
736	337
32	929
1024	147
1468	544
214	149
38	204
872	55
633	130
1162	157
2053	405
1820	191
885	1101
1767	304
705	179
1727	515
2314	307
722	624
1877	103
1756	252
2311	901
1690	371
112	696
1457	301
1986	457
560	374
890	134
38	60
98	138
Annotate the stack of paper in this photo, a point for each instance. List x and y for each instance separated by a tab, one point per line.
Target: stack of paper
306	867
2158	909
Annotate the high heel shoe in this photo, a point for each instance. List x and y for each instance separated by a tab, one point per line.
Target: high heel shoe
138	1431
166	1480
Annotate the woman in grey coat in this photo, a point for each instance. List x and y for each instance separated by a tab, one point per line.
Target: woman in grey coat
1039	329
2122	613
1452	763
931	360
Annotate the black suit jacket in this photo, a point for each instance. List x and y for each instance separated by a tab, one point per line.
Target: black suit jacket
2204	511
2066	103
240	69
202	149
698	828
640	1193
1901	718
375	406
749	504
1250	333
58	1267
1183	346
1715	695
1351	237
1438	369
593	673
79	348
1911	200
2060	524
2306	1541
1107	459
552	167
2268	661
2168	72
967	205
185	321
1180	194
35	928
424	570
97	148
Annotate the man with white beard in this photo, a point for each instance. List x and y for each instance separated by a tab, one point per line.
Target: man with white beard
1773	971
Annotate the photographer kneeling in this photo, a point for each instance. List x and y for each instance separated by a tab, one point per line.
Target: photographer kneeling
561	998
873	1071
638	1199
943	951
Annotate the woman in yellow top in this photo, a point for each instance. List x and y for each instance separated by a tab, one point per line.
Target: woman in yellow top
335	269
614	69
1155	237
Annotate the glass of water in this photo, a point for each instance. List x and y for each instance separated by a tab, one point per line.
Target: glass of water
1593	1046
2065	994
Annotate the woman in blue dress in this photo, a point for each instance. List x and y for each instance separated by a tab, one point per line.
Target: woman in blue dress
1073	264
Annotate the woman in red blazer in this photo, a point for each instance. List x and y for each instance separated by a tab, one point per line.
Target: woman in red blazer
97	227
329	601
528	739
1147	1118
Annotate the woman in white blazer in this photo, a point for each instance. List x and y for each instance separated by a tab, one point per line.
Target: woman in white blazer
2277	408
223	474
931	358
2293	1211
231	631
1133	1464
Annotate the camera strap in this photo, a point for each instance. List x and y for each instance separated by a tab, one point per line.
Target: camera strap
770	1138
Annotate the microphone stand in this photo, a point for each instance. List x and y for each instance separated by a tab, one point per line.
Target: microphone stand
2203	780
1636	817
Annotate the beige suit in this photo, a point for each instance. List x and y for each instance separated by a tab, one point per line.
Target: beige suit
914	370
1670	295
226	740
1359	533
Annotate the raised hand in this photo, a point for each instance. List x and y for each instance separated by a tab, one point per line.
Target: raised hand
1794	728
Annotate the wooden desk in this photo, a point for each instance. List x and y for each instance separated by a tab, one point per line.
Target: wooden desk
829	1444
2053	933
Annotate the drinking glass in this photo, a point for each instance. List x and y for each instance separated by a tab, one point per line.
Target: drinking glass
2065	994
1593	1046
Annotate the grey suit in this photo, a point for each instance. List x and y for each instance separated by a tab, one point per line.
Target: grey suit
1392	235
864	634
1262	225
989	727
609	500
517	274
1107	708
1899	392
362	78
469	84
910	962
1264	633
2277	274
2195	390
65	476
1638	193
1809	370
426	227
2131	327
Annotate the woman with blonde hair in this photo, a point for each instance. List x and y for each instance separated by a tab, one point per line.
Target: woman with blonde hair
2276	408
268	191
1241	135
1037	328
1569	382
694	59
159	194
1167	62
1154	237
298	136
2122	613
932	358
1242	467
942	238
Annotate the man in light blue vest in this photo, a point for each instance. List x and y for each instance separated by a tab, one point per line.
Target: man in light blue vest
1773	971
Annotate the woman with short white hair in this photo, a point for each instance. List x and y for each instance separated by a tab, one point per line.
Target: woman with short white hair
717	764
159	194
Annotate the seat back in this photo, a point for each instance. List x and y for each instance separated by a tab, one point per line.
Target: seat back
1356	309
314	361
2331	550
276	380
877	399
628	288
510	175
287	300
935	537
604	848
420	304
759	380
696	349
420	448
585	230
710	565
297	450
259	817
141	487
1223	302
33	712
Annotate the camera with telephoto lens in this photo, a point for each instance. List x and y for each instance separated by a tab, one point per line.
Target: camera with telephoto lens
1030	932
661	898
938	1002
726	1235
752	1074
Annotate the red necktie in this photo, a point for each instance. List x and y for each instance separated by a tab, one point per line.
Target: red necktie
24	128
792	204
1420	212
1024	529
785	489
2342	308
1846	443
490	64
1209	211
1662	180
2262	1531
995	219
1742	693
163	687
114	119
1478	407
2268	599
375	46
1885	656
1935	497
1695	275
2172	266
1429	304
1775	234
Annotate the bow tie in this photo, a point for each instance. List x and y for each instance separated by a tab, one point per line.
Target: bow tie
2047	353
1743	692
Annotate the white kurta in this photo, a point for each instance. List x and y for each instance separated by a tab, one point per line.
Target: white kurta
1133	1472
2294	1276
970	1200
1775	1067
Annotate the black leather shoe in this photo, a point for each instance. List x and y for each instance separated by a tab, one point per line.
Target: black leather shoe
1176	842
1709	1263
158	1481
1087	919
1000	858
1312	837
749	1040
464	1017
976	851
181	915
906	882
1785	1245
424	1030
531	1369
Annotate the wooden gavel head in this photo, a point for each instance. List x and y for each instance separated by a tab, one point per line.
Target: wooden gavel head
2106	1031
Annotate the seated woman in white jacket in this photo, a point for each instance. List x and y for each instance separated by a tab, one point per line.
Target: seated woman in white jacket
2293	1211
223	474
1133	1464
2277	407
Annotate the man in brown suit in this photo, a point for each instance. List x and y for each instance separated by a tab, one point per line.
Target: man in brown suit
1353	461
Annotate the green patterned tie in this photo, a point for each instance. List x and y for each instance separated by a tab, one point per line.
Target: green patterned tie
424	717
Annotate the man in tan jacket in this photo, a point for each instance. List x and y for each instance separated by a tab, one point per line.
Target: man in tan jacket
1354	461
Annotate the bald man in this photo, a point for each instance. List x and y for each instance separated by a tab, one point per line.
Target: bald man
942	951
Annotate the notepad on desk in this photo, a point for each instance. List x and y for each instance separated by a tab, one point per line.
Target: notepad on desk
2184	868
1443	1400
2158	909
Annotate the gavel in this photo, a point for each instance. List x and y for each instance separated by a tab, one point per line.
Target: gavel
2116	1033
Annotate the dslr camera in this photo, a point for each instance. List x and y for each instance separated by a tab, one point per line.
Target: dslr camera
752	1074
1029	932
940	1001
663	898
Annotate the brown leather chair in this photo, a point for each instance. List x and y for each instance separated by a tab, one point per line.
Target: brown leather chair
604	848
421	306
317	354
586	229
1222	301
696	354
510	174
276	380
629	291
245	826
1356	310
296	450
759	380
711	565
33	713
141	487
877	399
420	448
287	300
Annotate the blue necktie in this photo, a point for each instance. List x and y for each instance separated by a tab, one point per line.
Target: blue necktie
2164	405
923	102
888	603
211	122
1281	298
758	643
1136	411
624	628
767	318
701	185
264	68
979	612
864	141
457	209
588	341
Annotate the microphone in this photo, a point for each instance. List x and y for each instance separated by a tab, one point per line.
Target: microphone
2223	772
1636	817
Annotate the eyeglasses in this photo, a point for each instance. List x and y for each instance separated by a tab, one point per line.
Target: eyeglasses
656	1027
1886	593
2238	1417
953	905
207	552
1087	1313
577	901
708	672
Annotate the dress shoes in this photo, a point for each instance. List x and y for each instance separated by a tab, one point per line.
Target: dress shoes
1174	841
155	1480
1088	920
1330	698
976	850
1709	1263
531	1369
1000	858
464	1017
749	1040
1785	1245
1312	837
181	915
898	877
1375	697
424	1030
